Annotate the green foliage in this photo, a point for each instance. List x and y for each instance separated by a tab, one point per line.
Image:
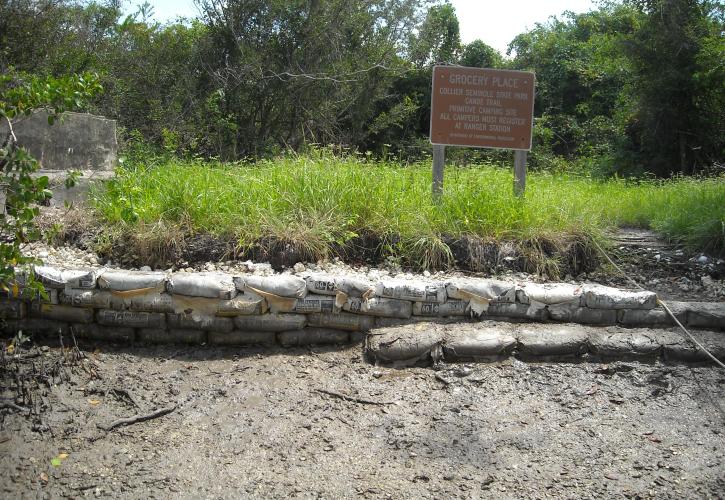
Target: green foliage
323	200
20	95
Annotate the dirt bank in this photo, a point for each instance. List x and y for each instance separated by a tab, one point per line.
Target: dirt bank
253	423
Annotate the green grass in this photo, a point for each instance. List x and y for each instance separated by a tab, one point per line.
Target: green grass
322	200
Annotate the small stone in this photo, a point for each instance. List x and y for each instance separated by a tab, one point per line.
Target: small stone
145	268
299	267
702	259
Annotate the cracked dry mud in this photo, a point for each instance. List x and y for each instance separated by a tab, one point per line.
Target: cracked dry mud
251	423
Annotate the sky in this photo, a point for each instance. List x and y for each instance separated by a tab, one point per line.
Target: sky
496	22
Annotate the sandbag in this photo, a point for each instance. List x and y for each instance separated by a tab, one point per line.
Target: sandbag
311	336
61	313
52	277
549	293
653	317
211	285
584	315
477	341
625	343
238	337
605	297
386	308
13	309
341	321
409	345
706	315
99	299
500	291
270	322
243	304
34	326
106	333
132	319
411	290
123	281
517	311
448	308
172	336
325	284
552	340
676	346
315	304
280	285
199	322
151	302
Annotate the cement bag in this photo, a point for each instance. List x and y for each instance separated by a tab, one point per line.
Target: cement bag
406	345
151	302
480	293
280	285
706	315
412	291
552	340
175	336
549	293
99	299
583	315
13	309
131	319
271	322
62	313
33	326
246	303
315	304
448	308
342	321
477	342
605	297
58	279
311	336
136	281
106	333
238	337
330	285
518	311
200	322
385	308
211	285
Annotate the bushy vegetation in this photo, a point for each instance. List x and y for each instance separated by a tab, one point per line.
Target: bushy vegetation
633	87
321	200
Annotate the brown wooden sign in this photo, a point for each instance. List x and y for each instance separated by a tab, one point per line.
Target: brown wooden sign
483	108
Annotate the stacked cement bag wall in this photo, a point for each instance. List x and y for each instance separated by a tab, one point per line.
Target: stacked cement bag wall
315	309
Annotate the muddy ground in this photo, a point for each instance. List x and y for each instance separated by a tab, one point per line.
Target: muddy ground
252	422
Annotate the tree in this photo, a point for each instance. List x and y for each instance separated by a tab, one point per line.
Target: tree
479	55
679	119
20	95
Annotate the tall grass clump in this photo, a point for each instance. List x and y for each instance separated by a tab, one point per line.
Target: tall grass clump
320	201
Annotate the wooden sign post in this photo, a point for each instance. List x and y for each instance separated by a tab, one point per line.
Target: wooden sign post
481	108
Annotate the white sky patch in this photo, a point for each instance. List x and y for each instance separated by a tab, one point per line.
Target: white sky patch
496	22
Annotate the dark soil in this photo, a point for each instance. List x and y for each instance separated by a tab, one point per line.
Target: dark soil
252	423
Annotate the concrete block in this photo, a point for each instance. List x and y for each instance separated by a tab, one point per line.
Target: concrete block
584	315
477	341
341	321
408	344
13	309
34	326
